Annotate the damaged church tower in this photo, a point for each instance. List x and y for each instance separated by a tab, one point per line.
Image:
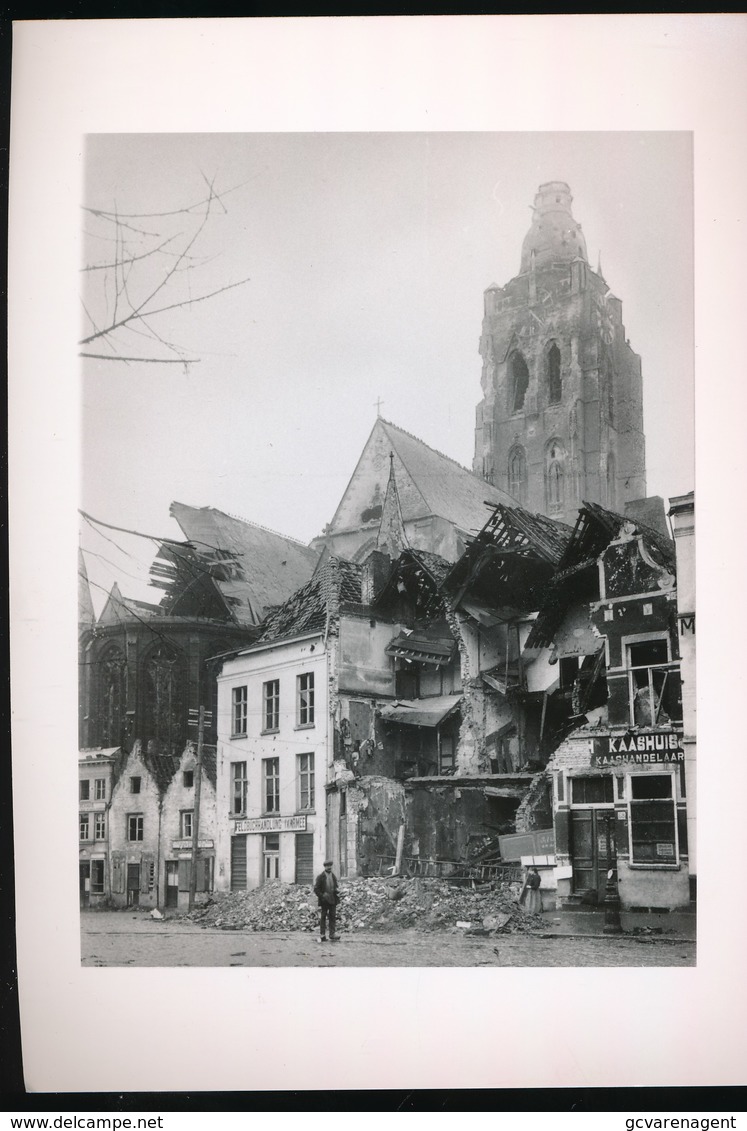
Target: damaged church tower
561	419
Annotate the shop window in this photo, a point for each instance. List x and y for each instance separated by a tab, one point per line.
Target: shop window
100	789
135	785
134	826
517	475
305	781
554	381
186	824
188	779
238	787
271	784
99	827
305	712
654	683
97	877
592	791
85	790
271	704
85	826
271	856
652	819
518	381
239	717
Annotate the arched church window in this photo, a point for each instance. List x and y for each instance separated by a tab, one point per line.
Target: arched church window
165	707
554	381
517	475
111	696
518	381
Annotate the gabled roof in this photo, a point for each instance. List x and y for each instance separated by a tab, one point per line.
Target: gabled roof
253	568
428	483
336	582
449	490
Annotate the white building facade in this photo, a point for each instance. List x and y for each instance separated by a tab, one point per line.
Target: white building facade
274	752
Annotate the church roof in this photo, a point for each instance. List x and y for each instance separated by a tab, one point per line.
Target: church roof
449	490
253	568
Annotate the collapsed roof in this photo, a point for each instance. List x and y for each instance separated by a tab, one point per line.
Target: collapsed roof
249	568
510	562
336	582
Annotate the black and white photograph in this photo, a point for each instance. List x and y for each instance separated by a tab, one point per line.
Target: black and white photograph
387	614
363	376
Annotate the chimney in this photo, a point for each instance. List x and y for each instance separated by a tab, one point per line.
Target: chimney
374	575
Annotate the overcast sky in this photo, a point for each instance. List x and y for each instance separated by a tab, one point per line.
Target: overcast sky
367	257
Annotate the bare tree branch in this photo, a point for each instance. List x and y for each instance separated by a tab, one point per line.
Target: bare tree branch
150	360
161	309
151	265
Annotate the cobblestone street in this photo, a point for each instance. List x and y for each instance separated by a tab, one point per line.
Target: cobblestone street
123	939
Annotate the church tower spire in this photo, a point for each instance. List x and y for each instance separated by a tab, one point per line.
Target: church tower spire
392	539
561	419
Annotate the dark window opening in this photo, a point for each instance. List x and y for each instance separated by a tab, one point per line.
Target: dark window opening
189	779
134	785
407	682
569	666
519	381
655	688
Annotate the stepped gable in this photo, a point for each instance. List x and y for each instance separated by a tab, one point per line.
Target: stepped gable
335	582
253	568
449	490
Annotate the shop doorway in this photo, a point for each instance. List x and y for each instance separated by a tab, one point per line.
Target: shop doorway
133	885
85	883
172	883
591	860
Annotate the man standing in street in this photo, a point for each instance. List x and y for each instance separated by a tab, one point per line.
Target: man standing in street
326	889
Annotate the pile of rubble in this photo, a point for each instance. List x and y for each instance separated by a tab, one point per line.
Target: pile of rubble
373	904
